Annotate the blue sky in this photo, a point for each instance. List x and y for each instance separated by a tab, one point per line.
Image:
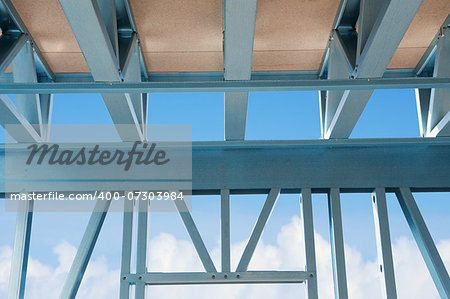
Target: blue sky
271	115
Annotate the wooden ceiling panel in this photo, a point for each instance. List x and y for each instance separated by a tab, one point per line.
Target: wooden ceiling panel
425	25
290	34
186	35
176	33
52	33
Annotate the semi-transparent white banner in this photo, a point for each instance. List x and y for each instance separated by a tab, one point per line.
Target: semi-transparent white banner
81	164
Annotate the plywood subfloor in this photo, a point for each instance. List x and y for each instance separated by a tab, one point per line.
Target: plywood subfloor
423	28
186	35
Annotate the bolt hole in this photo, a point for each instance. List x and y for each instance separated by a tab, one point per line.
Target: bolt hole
124	278
213	276
238	276
311	275
140	277
225	276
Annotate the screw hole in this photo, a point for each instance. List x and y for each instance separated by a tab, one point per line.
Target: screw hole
124	278
140	277
238	276
225	276
213	276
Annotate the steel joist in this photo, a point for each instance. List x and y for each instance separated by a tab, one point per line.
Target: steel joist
433	105
103	55
239	30
370	52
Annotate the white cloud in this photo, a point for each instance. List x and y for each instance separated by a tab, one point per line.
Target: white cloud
169	254
45	281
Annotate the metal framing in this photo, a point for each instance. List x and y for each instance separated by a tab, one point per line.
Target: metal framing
107	61
85	249
19	261
384	250
310	252
239	30
424	241
363	39
337	244
366	55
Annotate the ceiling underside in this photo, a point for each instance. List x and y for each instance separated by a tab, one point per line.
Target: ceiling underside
186	35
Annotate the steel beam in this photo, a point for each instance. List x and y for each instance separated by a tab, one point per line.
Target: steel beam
308	235
235	115
132	73
337	69
85	249
337	244
384	248
35	108
439	110
190	278
225	229
127	30
142	247
322	110
97	47
258	229
423	106
442	128
381	28
107	9
174	86
100	49
9	48
12	24
239	31
210	76
369	13
420	163
346	44
424	241
24	71
195	235
15	123
346	20
19	261
127	247
385	35
19	50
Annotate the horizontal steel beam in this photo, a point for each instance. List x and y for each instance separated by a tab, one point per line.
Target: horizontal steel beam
220	86
418	163
209	76
179	278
